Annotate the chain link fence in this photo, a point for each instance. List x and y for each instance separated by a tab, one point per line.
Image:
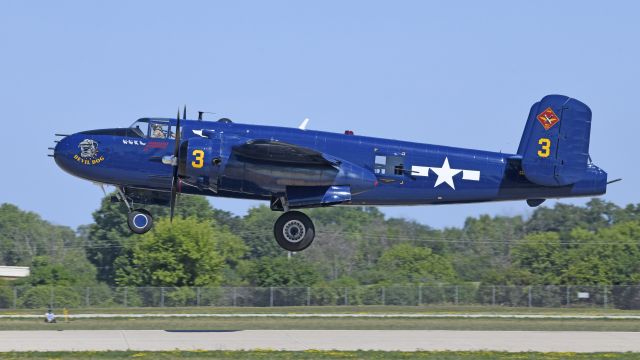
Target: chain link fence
602	296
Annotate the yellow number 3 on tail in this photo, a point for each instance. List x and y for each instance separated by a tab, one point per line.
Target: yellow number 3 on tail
545	150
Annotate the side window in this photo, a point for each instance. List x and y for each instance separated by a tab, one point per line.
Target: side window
159	130
380	165
389	165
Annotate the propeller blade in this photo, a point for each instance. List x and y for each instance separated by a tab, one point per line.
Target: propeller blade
175	179
177	147
174	195
184	113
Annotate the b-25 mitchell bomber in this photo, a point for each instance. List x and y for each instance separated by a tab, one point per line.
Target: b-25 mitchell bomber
155	159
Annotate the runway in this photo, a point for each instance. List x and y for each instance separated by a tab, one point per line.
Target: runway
296	340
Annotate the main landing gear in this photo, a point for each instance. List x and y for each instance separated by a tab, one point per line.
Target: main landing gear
139	220
294	231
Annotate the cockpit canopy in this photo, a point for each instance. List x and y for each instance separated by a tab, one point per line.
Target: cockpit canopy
154	128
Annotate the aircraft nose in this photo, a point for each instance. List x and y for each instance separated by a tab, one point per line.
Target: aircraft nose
81	155
63	152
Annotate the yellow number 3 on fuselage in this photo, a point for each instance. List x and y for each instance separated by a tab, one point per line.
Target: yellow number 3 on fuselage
545	150
199	161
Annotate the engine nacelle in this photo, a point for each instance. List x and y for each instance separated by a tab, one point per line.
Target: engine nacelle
202	162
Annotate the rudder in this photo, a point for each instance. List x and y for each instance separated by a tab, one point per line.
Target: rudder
555	142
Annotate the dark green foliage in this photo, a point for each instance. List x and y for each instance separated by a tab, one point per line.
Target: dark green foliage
187	252
6	297
71	270
403	264
590	245
257	232
24	235
484	243
282	271
49	296
109	237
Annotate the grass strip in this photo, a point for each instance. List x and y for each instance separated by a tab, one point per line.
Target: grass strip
325	324
369	309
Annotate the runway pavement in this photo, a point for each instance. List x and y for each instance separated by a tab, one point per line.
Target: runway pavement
386	340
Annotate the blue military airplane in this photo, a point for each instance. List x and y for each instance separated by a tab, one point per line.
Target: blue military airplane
155	159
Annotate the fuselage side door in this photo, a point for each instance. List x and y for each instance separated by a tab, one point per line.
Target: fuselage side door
390	166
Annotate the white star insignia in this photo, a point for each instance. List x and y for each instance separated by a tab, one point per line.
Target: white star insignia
445	174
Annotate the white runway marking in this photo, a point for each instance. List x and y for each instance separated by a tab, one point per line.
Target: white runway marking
323	315
296	340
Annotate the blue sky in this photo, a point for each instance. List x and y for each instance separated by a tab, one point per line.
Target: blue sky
443	72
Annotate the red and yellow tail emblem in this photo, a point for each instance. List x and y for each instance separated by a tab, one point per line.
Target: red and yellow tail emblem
548	118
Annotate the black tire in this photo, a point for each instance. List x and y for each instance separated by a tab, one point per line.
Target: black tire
140	221
294	231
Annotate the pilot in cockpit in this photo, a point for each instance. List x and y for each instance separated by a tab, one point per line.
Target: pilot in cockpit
157	131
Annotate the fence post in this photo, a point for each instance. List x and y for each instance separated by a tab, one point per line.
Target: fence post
419	294
51	295
346	296
529	295
568	296
308	296
271	296
605	295
15	297
198	296
86	297
162	296
457	294
382	296
125	297
493	295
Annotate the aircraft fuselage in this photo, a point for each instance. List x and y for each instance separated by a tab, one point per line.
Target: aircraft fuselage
406	173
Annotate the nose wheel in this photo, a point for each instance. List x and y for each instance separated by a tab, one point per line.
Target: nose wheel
294	231
140	221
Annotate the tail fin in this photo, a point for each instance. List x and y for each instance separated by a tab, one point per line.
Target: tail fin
555	143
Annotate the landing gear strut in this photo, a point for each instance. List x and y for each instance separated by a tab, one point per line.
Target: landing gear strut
294	231
139	220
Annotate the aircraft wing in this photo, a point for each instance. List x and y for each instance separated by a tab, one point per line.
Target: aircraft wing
277	151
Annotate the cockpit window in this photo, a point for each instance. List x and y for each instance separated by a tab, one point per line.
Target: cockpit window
159	130
141	127
154	128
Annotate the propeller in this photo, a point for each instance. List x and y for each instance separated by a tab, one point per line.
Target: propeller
175	181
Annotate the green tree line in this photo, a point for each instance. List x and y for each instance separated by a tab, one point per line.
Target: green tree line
595	244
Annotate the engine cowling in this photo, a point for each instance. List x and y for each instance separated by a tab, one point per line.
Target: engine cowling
202	162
